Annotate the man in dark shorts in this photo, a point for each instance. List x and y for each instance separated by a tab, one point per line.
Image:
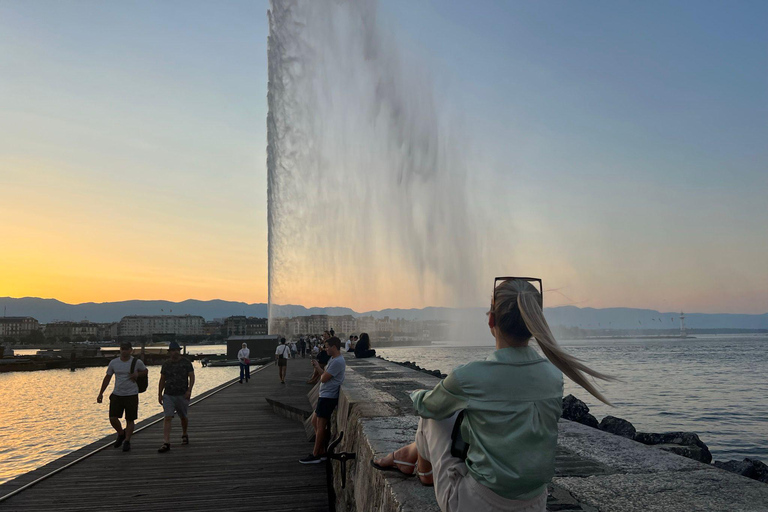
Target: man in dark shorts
125	395
177	377
330	384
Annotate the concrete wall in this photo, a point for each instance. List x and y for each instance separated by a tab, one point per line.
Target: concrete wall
595	470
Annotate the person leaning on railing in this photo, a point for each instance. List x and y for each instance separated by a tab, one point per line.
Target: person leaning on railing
511	403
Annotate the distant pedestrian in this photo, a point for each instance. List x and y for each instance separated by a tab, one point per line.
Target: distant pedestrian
303	347
363	347
331	380
348	344
293	349
245	363
177	378
125	395
282	353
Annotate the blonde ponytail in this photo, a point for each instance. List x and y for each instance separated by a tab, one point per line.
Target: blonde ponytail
522	296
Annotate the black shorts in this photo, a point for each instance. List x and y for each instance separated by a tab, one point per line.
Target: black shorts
325	407
282	362
129	404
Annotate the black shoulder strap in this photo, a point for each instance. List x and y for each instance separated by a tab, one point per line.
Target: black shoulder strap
133	364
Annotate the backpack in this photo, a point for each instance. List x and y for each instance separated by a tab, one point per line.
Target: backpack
143	380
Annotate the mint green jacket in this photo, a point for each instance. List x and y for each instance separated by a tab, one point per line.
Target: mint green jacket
513	401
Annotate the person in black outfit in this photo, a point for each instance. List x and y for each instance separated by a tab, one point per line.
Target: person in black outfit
363	348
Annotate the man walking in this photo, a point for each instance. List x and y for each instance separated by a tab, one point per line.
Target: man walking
177	377
330	384
125	395
282	353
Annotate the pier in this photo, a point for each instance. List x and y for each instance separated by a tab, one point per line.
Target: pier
241	456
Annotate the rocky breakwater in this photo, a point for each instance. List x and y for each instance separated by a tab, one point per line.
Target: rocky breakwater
686	444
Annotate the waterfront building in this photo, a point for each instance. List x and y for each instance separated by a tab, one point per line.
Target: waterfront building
18	326
213	328
107	331
83	329
146	325
235	325
255	326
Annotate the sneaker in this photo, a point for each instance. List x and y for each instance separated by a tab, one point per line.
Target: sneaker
313	459
119	441
127	446
165	448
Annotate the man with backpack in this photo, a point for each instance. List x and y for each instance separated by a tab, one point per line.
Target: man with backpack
125	395
282	353
177	377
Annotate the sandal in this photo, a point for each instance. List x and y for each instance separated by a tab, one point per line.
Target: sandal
185	439
394	466
420	474
165	448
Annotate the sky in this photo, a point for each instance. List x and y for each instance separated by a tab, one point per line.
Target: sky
621	144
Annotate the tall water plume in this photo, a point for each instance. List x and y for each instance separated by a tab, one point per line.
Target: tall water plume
367	202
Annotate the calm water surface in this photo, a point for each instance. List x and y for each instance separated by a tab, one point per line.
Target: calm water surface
47	414
715	386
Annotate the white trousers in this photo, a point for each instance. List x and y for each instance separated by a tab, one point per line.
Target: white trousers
455	489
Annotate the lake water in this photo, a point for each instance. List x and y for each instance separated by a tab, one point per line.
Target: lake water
715	386
47	414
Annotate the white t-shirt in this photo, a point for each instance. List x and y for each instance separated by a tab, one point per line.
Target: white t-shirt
283	350
243	354
124	386
347	345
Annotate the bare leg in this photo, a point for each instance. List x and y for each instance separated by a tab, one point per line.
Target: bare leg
408	453
320	425
115	422
129	429
167	429
184	425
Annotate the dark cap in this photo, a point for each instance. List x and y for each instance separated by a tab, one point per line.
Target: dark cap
125	344
174	346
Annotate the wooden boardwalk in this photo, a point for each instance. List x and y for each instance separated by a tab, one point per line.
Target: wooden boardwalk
241	456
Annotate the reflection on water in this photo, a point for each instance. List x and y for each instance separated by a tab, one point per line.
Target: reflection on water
712	385
46	414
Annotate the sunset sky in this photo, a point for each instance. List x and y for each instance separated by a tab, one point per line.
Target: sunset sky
623	146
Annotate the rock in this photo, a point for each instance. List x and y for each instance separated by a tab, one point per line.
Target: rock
618	426
576	410
679	439
689	451
750	468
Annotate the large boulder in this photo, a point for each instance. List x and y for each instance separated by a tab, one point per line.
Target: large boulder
576	410
686	444
750	468
618	426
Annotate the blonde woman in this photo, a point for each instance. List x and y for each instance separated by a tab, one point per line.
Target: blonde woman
511	404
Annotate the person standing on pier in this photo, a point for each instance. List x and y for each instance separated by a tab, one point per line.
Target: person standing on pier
245	363
282	353
177	378
330	385
125	395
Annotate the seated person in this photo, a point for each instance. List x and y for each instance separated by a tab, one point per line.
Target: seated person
363	347
511	404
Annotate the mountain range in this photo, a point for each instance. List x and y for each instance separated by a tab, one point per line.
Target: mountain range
48	310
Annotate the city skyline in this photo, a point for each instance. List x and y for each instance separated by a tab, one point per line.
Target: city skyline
621	149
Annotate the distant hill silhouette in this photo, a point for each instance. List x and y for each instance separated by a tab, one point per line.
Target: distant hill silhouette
48	310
